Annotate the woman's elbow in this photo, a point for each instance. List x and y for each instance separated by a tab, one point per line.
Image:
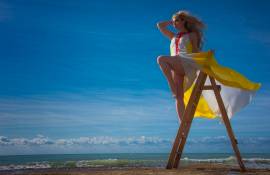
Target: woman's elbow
158	24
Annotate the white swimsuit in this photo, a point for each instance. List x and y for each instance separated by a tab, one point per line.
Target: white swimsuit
182	47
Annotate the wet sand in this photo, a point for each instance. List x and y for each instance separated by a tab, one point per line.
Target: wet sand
196	169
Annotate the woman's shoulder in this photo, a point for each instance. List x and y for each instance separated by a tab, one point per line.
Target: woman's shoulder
174	36
193	37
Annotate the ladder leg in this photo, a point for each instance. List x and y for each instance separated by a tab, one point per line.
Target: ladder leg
175	146
181	146
175	155
189	114
227	124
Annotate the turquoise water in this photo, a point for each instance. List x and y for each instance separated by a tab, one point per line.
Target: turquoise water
124	160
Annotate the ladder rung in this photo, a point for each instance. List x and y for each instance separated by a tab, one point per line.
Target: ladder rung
210	87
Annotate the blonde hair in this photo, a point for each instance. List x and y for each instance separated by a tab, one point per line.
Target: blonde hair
192	24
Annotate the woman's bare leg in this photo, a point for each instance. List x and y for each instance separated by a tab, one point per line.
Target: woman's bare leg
167	70
175	75
169	64
179	101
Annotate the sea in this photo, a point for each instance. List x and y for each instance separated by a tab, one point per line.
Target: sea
119	160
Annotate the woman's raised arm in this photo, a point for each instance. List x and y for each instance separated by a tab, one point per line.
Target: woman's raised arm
162	26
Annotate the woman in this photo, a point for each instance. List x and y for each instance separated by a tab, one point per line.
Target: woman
186	59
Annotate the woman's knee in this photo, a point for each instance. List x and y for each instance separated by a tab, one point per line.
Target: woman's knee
162	59
178	78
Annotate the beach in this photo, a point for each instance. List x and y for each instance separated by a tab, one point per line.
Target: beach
195	169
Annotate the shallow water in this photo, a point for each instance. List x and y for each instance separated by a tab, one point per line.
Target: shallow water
18	162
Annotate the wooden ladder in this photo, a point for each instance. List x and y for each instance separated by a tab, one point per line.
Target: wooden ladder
184	128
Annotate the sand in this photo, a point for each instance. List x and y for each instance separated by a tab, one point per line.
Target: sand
196	169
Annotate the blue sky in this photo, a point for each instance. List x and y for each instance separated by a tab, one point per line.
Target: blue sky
81	76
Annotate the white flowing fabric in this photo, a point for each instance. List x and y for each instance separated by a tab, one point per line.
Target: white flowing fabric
236	90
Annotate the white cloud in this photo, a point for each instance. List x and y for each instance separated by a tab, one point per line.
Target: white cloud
99	140
140	140
39	140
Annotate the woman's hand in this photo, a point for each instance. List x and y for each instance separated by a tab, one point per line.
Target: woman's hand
162	26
